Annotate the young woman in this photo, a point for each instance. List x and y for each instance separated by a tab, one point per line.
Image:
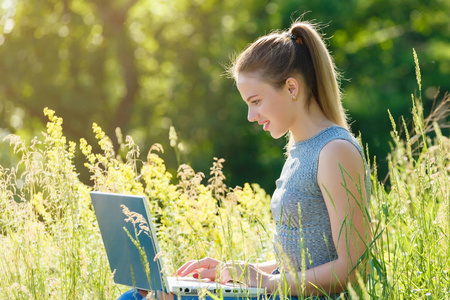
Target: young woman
289	83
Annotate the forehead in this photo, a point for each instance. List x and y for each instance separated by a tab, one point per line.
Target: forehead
247	82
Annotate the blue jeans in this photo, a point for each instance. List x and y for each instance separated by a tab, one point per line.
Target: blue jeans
132	294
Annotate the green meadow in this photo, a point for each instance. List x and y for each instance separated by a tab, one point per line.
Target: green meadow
51	246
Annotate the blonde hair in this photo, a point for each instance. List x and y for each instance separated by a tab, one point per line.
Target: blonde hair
297	51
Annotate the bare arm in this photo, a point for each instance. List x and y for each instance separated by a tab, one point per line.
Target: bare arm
341	178
339	163
268	266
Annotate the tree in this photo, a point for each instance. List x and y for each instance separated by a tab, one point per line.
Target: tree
144	66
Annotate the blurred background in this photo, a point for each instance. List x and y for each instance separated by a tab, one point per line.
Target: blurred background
147	65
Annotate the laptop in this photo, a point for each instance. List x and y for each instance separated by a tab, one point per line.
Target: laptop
127	262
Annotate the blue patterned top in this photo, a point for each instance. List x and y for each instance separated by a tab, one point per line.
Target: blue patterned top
298	190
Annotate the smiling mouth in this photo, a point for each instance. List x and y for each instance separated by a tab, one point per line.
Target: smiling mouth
266	125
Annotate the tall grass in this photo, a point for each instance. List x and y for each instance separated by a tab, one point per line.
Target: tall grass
51	246
413	251
412	218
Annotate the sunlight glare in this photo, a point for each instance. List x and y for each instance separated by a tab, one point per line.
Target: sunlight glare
9	25
7	4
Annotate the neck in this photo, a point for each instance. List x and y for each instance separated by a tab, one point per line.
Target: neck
310	122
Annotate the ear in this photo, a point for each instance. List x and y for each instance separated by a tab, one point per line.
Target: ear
292	85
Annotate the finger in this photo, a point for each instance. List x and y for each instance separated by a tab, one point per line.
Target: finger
207	274
191	266
223	274
209	263
188	268
232	272
225	278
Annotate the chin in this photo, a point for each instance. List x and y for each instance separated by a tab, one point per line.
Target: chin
276	136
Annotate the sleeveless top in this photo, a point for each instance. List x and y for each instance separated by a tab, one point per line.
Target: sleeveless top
297	190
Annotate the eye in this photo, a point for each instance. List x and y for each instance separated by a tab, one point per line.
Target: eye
256	102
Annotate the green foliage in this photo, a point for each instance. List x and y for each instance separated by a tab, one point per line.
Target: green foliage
49	243
50	240
51	246
188	214
144	66
412	220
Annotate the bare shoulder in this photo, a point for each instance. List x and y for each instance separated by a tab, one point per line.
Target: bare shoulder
339	154
341	173
340	149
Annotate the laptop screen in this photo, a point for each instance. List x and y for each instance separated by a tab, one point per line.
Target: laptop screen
125	260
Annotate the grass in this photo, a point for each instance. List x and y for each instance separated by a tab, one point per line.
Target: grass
51	246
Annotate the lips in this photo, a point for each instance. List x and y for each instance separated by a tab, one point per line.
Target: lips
265	124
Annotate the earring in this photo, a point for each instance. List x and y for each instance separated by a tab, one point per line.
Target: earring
294	98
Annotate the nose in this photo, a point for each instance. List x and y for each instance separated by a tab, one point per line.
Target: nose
252	115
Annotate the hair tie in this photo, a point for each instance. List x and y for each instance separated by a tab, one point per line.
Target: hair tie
295	38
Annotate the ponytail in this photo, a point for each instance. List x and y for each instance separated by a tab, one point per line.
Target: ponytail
325	89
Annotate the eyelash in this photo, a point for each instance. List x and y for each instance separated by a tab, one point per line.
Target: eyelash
256	102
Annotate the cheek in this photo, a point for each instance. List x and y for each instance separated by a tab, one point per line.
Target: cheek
282	110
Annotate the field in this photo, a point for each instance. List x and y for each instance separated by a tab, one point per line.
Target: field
51	247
